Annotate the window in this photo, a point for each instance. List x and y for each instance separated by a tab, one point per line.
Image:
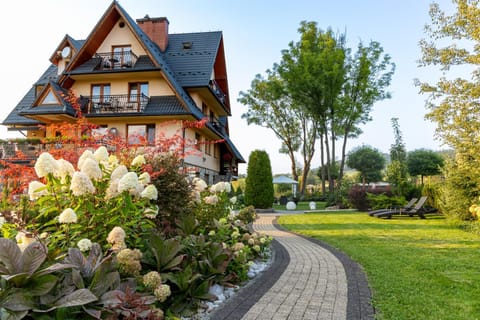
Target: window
198	139
141	134
100	131
50	99
204	109
137	93
208	146
100	92
121	56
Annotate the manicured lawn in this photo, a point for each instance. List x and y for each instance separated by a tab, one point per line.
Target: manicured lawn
302	205
417	269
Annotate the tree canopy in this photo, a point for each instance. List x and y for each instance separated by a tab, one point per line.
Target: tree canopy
368	161
329	93
452	47
424	162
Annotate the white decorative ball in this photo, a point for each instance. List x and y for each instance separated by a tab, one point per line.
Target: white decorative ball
312	205
291	205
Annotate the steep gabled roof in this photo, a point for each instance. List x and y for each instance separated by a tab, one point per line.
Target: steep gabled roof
157	56
114	12
193	67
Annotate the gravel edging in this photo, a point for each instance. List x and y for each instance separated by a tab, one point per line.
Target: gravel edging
359	304
237	306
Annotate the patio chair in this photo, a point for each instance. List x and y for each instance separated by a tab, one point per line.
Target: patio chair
407	206
416	210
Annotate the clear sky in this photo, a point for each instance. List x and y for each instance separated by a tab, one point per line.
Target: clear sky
255	32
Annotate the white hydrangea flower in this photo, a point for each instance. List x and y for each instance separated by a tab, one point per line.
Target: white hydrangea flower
68	216
112	190
84	245
34	190
81	184
65	168
144	178
101	154
162	292
2	221
116	238
138	161
45	164
151	213
199	184
152	279
221	187
233	200
129	182
91	168
211	199
113	161
137	191
87	154
118	173
150	192
196	196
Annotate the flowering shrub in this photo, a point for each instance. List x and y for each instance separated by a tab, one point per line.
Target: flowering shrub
211	203
153	262
87	203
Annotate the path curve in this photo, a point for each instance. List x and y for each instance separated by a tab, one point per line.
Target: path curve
307	280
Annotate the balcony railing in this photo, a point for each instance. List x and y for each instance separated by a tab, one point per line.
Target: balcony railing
119	103
218	92
115	61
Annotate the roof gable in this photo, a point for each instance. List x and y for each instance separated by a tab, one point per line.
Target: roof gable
51	101
112	15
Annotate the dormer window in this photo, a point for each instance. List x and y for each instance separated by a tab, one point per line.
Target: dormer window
49	99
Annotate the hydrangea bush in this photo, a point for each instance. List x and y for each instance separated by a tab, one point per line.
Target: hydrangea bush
88	202
100	217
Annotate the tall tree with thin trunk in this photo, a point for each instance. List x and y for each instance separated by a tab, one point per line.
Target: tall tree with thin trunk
269	106
313	69
369	74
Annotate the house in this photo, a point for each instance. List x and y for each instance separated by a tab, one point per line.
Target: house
134	79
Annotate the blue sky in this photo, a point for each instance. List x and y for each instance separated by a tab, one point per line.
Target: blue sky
254	33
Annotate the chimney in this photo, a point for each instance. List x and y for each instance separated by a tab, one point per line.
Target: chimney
156	29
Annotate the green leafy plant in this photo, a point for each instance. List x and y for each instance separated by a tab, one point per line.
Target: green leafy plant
166	253
189	289
27	280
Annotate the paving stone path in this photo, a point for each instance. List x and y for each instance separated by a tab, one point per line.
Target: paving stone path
307	280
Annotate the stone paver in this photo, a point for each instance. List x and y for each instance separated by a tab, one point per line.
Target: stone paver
307	280
314	285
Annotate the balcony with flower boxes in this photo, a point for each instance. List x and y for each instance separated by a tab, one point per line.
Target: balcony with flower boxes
119	103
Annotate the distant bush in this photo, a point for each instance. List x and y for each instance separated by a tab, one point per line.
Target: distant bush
358	198
380	201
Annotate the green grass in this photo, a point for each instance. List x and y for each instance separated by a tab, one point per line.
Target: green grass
302	205
417	269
